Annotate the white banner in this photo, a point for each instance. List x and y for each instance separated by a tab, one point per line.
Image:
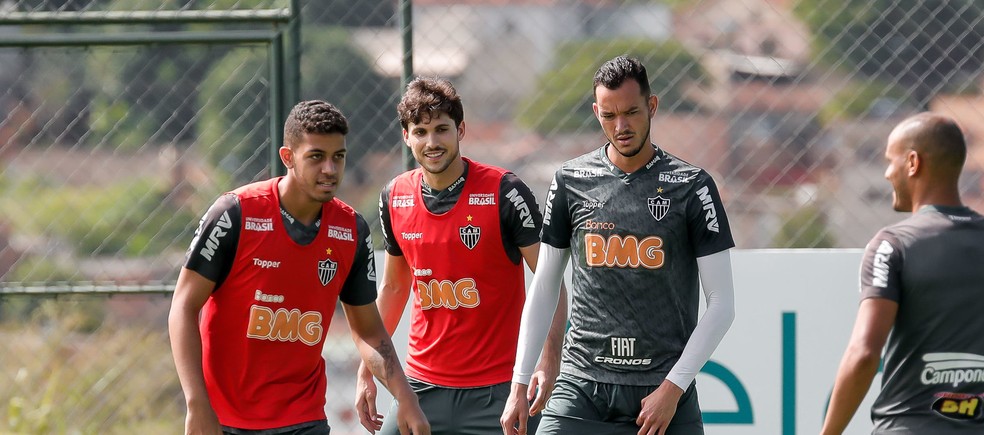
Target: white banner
773	372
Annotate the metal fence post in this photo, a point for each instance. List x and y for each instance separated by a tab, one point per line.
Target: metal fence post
406	36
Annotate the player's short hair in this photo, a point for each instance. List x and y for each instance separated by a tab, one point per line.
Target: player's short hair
613	73
940	137
428	97
313	117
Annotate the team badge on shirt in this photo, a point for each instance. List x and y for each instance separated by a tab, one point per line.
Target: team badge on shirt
326	270
658	207
470	235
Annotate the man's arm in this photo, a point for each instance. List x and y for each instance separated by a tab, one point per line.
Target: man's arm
719	293
190	294
718	286
393	295
547	370
875	319
541	305
394	291
379	355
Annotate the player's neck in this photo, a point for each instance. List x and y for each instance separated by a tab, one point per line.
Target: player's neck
303	209
935	192
634	163
442	180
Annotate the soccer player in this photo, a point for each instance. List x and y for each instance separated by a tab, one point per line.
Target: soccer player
263	274
641	225
456	232
922	279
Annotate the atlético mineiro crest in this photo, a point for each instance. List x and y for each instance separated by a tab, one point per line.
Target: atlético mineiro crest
470	235
326	270
658	207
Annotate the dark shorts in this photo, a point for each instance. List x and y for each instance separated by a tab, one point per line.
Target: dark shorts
319	427
465	411
579	406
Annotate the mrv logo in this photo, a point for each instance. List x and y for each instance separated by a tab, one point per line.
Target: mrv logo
548	207
520	204
880	267
220	229
711	214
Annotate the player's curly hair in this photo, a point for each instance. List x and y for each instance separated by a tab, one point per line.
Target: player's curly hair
428	97
613	73
313	117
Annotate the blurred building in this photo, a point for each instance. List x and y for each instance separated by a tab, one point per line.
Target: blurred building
495	50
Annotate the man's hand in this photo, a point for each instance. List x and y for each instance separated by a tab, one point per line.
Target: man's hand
542	384
658	409
365	400
201	419
410	418
517	410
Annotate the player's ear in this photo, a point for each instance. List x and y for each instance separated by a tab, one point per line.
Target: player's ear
653	104
913	163
287	157
406	137
461	130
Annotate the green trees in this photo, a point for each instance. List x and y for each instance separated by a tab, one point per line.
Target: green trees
334	70
670	66
234	99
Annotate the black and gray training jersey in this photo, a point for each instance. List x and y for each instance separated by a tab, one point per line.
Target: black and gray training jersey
634	241
932	264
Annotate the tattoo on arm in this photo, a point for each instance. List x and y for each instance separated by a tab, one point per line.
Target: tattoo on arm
384	362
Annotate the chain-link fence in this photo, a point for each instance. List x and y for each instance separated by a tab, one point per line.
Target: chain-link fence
109	153
787	102
120	122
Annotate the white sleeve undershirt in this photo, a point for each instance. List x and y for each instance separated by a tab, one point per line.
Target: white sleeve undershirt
719	293
538	312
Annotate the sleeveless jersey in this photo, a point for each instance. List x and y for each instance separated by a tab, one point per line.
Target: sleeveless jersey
931	264
634	241
467	295
263	329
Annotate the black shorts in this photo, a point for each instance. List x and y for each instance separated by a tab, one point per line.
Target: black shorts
318	427
579	406
465	411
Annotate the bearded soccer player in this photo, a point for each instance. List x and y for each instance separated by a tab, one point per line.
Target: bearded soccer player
922	280
260	285
456	233
641	226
